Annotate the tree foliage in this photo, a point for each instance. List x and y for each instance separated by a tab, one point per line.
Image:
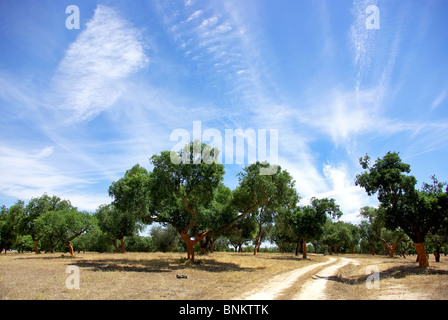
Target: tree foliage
117	223
308	221
413	211
62	226
189	201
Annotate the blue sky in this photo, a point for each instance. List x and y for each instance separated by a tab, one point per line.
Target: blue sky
81	106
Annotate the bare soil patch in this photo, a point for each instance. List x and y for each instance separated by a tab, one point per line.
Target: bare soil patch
280	285
314	289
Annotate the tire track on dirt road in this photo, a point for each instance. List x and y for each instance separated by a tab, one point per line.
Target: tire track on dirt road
281	282
314	289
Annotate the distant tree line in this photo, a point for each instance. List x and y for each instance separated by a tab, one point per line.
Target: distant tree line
190	210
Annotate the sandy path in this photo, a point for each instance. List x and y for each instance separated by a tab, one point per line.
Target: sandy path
281	282
314	288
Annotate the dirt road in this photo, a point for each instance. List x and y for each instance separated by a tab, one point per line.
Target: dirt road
312	289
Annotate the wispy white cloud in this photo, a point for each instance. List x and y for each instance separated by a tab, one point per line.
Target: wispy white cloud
348	196
341	114
379	53
20	92
361	40
439	99
194	15
29	172
90	77
26	173
219	42
226	40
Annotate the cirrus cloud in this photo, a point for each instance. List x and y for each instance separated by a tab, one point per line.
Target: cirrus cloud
90	78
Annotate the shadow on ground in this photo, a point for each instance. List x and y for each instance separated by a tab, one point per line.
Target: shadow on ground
397	272
158	266
57	256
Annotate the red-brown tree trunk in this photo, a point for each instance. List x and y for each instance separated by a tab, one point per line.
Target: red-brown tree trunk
423	261
189	244
391	248
70	248
36	250
116	246
304	248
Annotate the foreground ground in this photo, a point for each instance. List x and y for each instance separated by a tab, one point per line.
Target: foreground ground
219	276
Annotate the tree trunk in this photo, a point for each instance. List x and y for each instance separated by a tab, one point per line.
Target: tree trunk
257	246
116	246
437	253
36	250
70	248
298	246
391	249
123	250
207	245
304	248
211	246
204	245
421	255
189	244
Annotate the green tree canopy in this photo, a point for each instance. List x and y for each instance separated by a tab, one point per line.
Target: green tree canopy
308	221
10	225
118	223
35	208
189	195
62	226
413	211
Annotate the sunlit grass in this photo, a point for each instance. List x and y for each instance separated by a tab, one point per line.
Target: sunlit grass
219	275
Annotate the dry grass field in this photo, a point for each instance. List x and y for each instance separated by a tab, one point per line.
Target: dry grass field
221	276
400	279
140	275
